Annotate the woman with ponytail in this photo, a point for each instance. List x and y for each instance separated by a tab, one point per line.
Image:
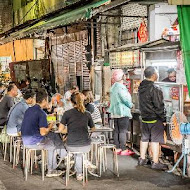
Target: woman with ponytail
75	122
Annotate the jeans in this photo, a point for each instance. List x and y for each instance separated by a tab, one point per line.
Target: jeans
120	132
78	157
49	145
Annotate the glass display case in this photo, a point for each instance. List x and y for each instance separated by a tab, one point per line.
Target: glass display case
176	99
173	97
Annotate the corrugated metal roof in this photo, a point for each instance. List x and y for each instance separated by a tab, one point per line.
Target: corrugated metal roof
82	13
160	44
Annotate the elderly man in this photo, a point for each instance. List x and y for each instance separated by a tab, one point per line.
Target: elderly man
7	102
153	115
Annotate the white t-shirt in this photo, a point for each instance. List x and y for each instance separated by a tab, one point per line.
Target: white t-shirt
67	102
67	95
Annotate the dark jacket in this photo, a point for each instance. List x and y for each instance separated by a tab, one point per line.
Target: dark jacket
151	102
167	80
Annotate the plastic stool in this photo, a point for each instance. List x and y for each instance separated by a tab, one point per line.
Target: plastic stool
85	168
103	158
30	154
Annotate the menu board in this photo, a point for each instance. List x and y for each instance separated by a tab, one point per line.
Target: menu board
125	58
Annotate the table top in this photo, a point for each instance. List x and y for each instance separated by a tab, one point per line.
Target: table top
102	129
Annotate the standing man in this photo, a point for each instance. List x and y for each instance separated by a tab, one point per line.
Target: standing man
153	118
120	108
7	102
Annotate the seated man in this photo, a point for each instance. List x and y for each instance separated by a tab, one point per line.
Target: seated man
35	129
7	102
17	112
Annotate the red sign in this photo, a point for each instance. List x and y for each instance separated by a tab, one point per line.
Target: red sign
143	32
175	93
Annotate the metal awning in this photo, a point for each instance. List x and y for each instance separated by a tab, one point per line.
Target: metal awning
157	45
160	45
66	18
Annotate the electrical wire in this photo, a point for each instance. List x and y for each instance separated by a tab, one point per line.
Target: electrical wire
28	11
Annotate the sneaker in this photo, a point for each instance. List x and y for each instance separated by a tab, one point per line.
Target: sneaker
159	166
142	162
118	151
79	177
127	153
54	173
90	165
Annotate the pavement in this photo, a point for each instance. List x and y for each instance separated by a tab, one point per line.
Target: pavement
132	177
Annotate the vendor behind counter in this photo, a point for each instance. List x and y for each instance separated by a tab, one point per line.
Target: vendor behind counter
171	76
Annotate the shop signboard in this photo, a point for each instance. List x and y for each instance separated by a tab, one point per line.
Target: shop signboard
125	58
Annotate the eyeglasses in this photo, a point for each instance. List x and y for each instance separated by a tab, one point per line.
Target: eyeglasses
171	76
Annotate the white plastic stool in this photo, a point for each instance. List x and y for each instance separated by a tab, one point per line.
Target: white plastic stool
30	158
84	166
100	139
102	154
17	147
12	140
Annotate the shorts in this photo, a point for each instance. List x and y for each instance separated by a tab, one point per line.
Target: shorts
153	132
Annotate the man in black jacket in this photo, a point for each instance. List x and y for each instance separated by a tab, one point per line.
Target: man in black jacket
153	118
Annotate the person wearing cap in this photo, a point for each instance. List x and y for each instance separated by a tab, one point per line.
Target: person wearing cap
120	108
153	114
